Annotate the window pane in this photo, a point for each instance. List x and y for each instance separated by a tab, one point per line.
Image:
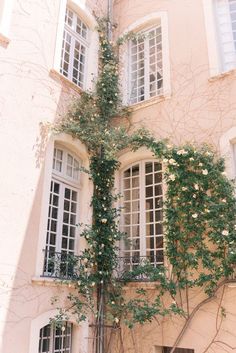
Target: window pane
57	160
44	339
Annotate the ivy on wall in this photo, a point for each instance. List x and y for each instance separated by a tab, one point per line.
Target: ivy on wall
199	211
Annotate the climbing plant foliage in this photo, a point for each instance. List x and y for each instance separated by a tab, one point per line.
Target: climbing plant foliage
199	211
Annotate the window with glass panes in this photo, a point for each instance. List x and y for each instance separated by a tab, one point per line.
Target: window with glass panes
145	65
62	212
226	23
143	213
55	339
74	48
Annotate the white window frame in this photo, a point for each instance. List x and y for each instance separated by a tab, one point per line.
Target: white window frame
146	66
142	212
53	335
228	151
5	19
226	40
86	190
80	8
79	332
64	181
141	25
216	58
75	37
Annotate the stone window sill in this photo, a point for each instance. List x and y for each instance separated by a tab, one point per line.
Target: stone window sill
222	75
148	102
4	40
65	81
47	281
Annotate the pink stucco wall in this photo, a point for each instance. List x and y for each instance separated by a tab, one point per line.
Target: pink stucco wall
198	109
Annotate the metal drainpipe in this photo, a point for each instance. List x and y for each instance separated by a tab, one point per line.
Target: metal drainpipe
109	16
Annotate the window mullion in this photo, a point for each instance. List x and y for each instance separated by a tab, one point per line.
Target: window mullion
142	210
146	67
71	58
129	72
76	243
52	339
73	21
60	217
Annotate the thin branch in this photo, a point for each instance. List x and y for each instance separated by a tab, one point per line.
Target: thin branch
195	310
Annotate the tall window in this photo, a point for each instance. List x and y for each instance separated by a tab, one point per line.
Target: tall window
55	340
74	48
143	214
5	17
226	17
62	213
145	65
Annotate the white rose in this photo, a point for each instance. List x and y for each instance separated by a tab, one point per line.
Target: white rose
195	215
225	232
172	161
181	152
172	177
204	171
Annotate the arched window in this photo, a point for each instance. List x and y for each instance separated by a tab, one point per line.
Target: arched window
143	213
62	214
74	48
55	339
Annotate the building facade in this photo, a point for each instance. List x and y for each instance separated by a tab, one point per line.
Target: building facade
179	80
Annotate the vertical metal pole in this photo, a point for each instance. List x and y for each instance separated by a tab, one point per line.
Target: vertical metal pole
100	332
100	322
109	17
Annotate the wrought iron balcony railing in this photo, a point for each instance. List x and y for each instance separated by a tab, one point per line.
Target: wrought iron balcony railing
60	265
137	268
66	266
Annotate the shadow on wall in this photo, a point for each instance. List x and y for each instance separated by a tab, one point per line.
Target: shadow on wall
24	300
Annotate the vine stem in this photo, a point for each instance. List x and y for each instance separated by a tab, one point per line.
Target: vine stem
217	325
195	310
